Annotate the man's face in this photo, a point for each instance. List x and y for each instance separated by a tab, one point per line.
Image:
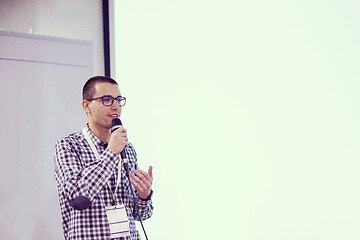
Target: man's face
100	116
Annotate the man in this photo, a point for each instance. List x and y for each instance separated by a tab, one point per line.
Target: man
92	182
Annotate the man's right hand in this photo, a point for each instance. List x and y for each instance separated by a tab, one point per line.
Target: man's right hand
118	140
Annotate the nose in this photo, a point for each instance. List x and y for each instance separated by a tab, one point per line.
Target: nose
116	104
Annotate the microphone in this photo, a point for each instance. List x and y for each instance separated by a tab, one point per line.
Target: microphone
116	123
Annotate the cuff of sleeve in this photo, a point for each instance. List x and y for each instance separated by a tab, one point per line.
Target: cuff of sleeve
148	198
111	155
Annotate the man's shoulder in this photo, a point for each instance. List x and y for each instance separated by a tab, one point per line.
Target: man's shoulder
73	139
130	149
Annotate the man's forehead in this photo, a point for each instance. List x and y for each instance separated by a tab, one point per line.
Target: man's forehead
104	88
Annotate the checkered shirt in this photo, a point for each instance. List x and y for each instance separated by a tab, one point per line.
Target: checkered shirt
83	190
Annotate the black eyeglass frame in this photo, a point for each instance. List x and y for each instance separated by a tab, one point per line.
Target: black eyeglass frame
112	100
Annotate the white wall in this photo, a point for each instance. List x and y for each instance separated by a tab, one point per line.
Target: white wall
35	113
45	108
80	19
249	113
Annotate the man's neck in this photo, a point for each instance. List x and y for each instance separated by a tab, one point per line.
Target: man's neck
101	133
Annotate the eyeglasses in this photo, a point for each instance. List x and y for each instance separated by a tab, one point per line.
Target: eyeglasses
109	100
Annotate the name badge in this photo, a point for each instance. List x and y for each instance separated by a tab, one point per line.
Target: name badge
118	221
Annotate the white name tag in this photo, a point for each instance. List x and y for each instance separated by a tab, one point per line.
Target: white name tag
118	221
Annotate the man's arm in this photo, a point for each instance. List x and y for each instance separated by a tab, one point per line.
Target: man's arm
81	182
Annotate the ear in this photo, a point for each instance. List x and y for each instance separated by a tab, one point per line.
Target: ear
85	105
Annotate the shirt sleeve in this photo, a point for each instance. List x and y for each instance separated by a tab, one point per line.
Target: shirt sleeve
80	182
144	209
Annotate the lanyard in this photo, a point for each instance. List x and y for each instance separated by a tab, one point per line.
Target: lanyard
97	155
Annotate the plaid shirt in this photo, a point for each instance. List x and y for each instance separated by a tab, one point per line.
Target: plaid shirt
83	190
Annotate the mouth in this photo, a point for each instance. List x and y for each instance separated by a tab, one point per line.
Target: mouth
114	115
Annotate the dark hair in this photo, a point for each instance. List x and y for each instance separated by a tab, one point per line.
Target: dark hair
89	87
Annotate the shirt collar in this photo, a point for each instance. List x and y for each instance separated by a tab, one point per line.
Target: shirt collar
94	138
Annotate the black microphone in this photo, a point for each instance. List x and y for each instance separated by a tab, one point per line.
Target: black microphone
116	123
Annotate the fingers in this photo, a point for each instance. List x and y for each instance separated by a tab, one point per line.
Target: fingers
121	132
150	172
141	178
142	174
142	181
140	187
121	129
118	140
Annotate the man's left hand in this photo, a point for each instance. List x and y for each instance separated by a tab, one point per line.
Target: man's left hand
142	181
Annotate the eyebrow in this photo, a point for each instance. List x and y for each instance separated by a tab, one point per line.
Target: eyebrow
110	96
